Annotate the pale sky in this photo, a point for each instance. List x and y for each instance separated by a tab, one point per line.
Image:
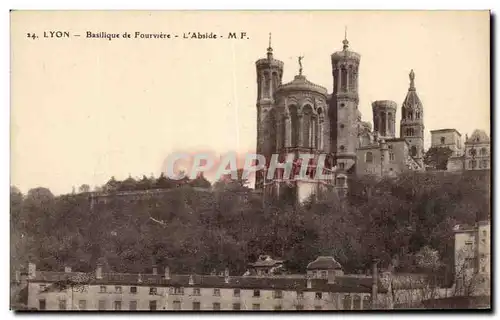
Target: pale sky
84	110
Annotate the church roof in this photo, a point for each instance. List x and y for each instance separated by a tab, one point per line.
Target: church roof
345	54
324	263
300	83
412	100
478	136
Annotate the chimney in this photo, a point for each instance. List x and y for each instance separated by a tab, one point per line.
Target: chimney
167	273
98	271
67	269
155	269
374	285
31	270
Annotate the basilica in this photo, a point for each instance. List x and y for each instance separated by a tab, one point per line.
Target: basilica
302	117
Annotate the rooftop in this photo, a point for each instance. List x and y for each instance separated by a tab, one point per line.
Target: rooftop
342	283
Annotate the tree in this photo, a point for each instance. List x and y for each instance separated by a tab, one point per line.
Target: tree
437	157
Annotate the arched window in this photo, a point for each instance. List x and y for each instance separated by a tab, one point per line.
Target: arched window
417	115
442	140
347	303
483	151
410	115
369	157
307	126
276	81
294	124
472	152
343	79
413	151
267	85
356	302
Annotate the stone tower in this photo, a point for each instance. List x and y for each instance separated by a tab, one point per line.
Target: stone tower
269	77
344	113
384	118
412	122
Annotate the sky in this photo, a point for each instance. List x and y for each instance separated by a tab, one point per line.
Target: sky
83	110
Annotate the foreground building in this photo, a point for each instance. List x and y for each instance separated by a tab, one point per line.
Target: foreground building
325	287
473	259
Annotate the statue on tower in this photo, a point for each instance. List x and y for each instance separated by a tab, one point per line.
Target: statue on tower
300	64
412	79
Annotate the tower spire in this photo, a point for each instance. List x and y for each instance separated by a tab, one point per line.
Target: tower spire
412	80
270	48
345	42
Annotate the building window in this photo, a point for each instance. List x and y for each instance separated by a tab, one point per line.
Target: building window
318	296
102	305
369	157
133	289
367	302
278	307
153	291
483	152
469	263
216	306
299	307
391	156
324	274
256	306
357	303
300	295
62	304
42	288
342	126
317	308
132	305
102	289
82	305
236	292
347	303
42	304
314	274
118	305
472	152
484	164
118	289
236	306
177	305
256	293
342	148
217	292
178	290
196	291
278	294
442	140
196	305
413	151
152	305
341	166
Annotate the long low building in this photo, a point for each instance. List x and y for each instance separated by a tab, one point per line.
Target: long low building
326	288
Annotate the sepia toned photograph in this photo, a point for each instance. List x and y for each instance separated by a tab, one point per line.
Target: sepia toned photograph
250	161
